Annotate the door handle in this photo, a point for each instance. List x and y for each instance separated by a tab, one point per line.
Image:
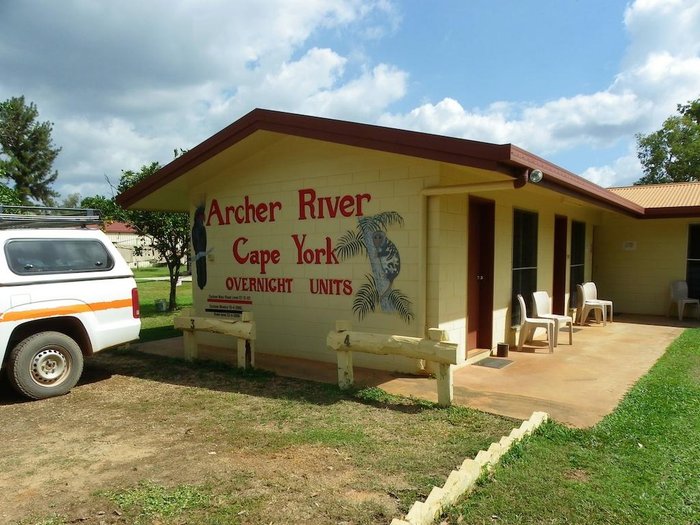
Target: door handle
479	277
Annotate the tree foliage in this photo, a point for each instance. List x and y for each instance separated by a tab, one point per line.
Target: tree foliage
9	196
27	152
672	154
109	210
168	233
72	200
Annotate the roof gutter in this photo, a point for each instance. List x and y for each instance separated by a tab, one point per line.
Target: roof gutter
677	212
562	181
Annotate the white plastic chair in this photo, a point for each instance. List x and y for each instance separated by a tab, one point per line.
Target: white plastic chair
592	294
679	296
543	309
586	305
529	325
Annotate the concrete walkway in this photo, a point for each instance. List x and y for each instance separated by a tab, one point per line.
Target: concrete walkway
577	385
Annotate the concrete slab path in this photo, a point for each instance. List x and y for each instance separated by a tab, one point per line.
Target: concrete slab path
577	384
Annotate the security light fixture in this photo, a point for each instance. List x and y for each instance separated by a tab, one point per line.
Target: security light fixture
536	176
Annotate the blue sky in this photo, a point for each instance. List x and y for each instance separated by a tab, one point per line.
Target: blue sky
125	83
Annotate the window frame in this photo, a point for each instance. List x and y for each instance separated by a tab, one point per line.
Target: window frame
527	260
573	290
693	260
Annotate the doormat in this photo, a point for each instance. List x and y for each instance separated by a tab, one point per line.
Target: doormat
493	362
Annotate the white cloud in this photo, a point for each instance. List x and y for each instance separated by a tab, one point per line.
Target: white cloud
624	171
661	70
361	98
594	120
106	147
287	86
662	26
127	82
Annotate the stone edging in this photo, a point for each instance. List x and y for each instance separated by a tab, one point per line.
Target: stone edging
462	480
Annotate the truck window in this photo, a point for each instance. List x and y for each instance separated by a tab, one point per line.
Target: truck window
38	256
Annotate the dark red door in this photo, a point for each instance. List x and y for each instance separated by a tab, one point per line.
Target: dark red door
480	273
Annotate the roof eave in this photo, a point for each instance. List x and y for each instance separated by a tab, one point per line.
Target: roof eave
676	212
567	183
501	158
494	157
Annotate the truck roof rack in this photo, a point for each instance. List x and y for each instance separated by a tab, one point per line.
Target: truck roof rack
46	217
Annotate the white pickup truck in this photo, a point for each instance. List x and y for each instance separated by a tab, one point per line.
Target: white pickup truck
65	293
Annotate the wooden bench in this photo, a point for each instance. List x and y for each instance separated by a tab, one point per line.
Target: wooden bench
242	328
435	349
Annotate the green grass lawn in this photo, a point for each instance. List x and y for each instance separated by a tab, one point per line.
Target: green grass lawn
173	442
640	465
151	271
159	325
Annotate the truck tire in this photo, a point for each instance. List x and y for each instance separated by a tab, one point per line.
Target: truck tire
44	365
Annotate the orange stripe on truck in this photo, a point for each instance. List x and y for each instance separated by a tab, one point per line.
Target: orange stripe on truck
65	310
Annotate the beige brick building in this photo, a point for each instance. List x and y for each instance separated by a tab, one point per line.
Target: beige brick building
306	221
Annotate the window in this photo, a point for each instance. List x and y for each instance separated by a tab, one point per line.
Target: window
692	269
524	260
578	260
38	256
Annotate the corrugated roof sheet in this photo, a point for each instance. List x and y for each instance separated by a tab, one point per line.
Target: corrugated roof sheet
662	195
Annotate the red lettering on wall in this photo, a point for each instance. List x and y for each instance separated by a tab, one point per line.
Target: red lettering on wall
325	255
214	210
259	257
244	213
330	286
260	284
313	207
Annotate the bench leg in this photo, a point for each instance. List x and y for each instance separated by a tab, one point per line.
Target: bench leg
445	386
250	353
244	353
190	345
345	373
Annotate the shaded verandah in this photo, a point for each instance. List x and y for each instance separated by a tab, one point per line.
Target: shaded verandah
577	385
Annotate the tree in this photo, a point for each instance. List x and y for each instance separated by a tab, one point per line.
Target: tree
109	210
71	201
27	152
168	232
9	196
672	154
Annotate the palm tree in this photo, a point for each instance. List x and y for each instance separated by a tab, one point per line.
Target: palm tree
384	261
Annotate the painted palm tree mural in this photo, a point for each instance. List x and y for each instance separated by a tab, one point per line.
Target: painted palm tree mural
370	238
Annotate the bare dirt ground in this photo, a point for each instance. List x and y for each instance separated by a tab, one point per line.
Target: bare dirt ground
264	450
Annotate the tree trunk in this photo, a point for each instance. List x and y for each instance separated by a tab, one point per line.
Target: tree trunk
174	272
383	283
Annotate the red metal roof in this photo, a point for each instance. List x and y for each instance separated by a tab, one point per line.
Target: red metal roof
502	158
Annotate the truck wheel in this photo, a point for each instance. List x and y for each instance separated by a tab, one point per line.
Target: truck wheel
44	365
